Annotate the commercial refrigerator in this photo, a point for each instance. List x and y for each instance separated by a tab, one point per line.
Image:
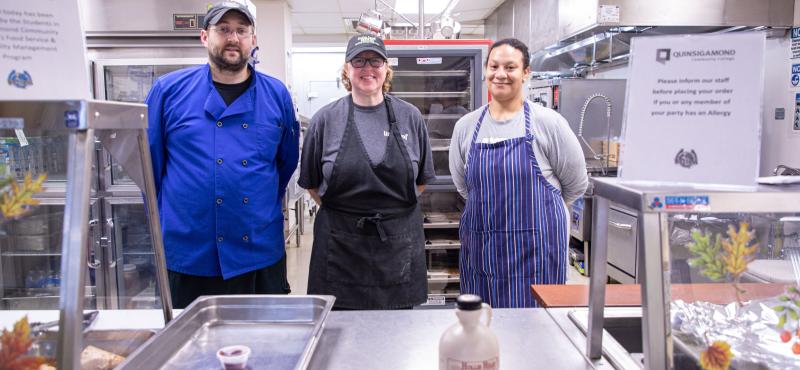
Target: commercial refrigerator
444	80
128	273
30	248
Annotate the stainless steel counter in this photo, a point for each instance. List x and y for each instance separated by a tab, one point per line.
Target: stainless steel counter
409	339
405	339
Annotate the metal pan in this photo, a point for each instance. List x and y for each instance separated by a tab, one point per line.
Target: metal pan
281	331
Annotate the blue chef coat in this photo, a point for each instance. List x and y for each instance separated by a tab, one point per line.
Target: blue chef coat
221	171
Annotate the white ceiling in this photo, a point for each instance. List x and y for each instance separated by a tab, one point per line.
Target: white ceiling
317	17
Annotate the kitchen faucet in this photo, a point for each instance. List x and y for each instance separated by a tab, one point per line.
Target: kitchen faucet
608	129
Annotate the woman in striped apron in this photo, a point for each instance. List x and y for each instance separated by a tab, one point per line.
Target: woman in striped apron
517	164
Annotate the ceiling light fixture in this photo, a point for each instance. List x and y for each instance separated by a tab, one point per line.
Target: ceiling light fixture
447	28
370	22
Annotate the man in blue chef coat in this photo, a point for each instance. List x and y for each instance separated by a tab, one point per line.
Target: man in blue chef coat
224	142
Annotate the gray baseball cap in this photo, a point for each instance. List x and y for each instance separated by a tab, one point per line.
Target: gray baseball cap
216	12
361	43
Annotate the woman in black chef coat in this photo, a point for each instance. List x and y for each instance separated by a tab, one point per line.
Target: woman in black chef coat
365	159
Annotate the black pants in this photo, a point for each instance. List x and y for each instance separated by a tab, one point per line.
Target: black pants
185	288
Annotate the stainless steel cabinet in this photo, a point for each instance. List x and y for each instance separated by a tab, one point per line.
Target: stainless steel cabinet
622	245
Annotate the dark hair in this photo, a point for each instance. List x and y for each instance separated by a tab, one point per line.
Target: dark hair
516	44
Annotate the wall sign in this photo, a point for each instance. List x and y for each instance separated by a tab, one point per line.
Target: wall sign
794	45
608	14
42	51
692	110
796	112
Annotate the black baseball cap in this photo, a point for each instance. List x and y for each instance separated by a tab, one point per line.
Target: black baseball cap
362	43
216	12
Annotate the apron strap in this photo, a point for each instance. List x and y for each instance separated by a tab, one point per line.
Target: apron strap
378	225
390	110
475	135
378	218
528	130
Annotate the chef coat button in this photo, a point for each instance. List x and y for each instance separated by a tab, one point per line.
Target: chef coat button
219	161
244	125
244	162
219	239
245	200
245	238
219	123
219	200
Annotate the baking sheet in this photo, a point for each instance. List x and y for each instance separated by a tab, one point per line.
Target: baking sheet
281	331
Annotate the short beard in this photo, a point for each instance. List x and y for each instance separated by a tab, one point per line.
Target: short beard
218	60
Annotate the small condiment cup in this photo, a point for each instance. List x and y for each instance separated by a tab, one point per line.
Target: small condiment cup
233	357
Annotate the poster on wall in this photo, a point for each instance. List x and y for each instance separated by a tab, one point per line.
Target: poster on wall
42	51
794	44
693	109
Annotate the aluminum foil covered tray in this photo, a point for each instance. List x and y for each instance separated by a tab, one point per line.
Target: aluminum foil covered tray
280	331
751	331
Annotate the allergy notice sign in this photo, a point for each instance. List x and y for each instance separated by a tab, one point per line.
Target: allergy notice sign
42	51
693	110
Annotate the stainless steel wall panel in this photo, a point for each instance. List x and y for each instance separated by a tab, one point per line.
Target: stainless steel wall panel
522	21
543	24
143	15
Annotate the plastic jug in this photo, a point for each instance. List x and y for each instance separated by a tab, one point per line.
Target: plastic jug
469	343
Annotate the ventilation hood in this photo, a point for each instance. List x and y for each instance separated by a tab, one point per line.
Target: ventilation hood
594	33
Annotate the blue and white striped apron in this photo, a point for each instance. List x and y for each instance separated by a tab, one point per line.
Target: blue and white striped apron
514	228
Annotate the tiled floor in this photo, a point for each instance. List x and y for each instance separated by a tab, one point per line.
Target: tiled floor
297	262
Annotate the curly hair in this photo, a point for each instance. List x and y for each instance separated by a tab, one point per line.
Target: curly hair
516	44
387	83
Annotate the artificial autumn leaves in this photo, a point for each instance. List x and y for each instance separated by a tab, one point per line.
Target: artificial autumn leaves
725	257
717	356
18	199
15	345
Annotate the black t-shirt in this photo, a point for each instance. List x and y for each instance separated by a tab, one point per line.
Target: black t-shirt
230	92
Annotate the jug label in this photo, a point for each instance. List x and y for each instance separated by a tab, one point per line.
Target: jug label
490	364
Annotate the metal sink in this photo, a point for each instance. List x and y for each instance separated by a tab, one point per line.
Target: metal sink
623	341
120	342
622	337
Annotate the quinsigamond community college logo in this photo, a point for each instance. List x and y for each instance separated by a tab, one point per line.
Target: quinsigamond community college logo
662	55
686	158
20	79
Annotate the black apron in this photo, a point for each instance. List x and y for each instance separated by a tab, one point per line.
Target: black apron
369	246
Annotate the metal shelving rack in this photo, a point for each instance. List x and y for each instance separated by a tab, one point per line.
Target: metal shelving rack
443	79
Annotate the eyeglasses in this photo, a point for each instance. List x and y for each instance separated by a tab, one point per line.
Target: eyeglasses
359	62
226	32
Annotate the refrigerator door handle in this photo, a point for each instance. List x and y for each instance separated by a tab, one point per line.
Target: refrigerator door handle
105	242
91	261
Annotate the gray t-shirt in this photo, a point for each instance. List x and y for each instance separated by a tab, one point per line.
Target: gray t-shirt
555	146
325	132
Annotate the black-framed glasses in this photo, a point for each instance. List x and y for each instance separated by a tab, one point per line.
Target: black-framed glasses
226	32
359	62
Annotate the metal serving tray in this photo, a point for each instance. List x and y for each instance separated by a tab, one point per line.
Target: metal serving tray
281	331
